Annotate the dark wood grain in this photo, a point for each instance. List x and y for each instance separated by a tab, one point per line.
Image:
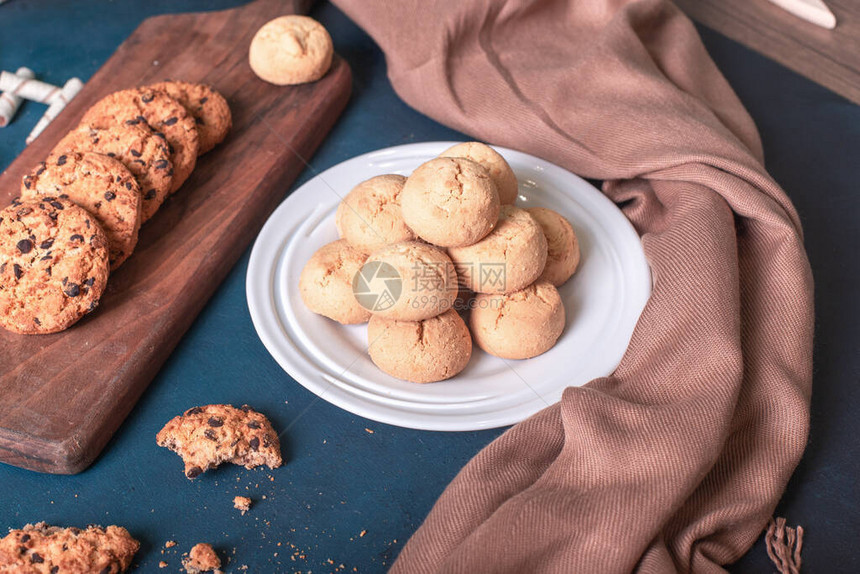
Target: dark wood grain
62	396
828	57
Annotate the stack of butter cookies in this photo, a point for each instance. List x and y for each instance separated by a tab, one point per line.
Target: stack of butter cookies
81	209
447	238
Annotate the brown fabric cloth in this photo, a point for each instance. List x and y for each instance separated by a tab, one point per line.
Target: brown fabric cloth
676	461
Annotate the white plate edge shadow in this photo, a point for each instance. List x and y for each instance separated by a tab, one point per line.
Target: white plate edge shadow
315	371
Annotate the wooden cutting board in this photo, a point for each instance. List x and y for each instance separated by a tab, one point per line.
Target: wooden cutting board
62	396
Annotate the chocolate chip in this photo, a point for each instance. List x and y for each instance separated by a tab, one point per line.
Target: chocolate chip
46	257
194	472
147	97
128	185
36	558
161	164
170	121
199	121
27	182
92	306
57	205
89	282
111	154
253	425
76	237
254	443
61	160
55	569
36	321
42	167
26	537
24	211
215	422
135	153
16	269
72	290
133	122
87	223
210	434
204	99
97	205
150	194
140	161
46	244
25	246
16	201
48	270
110	196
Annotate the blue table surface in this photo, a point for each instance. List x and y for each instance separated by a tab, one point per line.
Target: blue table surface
353	490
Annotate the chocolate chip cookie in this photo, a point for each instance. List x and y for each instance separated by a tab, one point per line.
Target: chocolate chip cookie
143	152
161	113
53	265
99	184
43	549
209	108
207	436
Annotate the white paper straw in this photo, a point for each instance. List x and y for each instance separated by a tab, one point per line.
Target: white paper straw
69	91
10	101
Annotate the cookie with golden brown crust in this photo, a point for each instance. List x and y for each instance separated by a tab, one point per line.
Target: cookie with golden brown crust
291	50
207	436
163	114
43	549
53	265
99	184
143	152
208	107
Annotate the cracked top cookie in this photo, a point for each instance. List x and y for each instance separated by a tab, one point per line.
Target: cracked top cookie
209	435
99	184
43	549
53	265
163	114
369	217
143	152
209	108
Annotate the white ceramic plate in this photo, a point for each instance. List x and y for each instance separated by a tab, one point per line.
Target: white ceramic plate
603	301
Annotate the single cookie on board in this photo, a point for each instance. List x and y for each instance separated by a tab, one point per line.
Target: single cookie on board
207	436
518	325
450	201
424	351
143	152
208	107
562	247
44	549
411	281
201	558
53	265
499	170
512	256
101	185
291	50
326	283
369	217
163	114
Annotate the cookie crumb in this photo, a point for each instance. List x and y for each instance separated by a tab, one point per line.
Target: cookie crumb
362	533
170	544
162	564
242	503
367	430
202	558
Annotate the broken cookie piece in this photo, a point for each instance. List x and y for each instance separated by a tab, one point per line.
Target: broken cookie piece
42	548
202	558
242	503
209	435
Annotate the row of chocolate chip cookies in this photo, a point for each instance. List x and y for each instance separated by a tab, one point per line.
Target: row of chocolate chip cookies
81	209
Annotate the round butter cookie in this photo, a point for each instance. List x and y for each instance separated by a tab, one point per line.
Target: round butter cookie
369	216
144	153
99	184
208	107
450	202
326	283
413	281
291	50
499	170
562	247
53	265
512	256
163	114
423	351
518	325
